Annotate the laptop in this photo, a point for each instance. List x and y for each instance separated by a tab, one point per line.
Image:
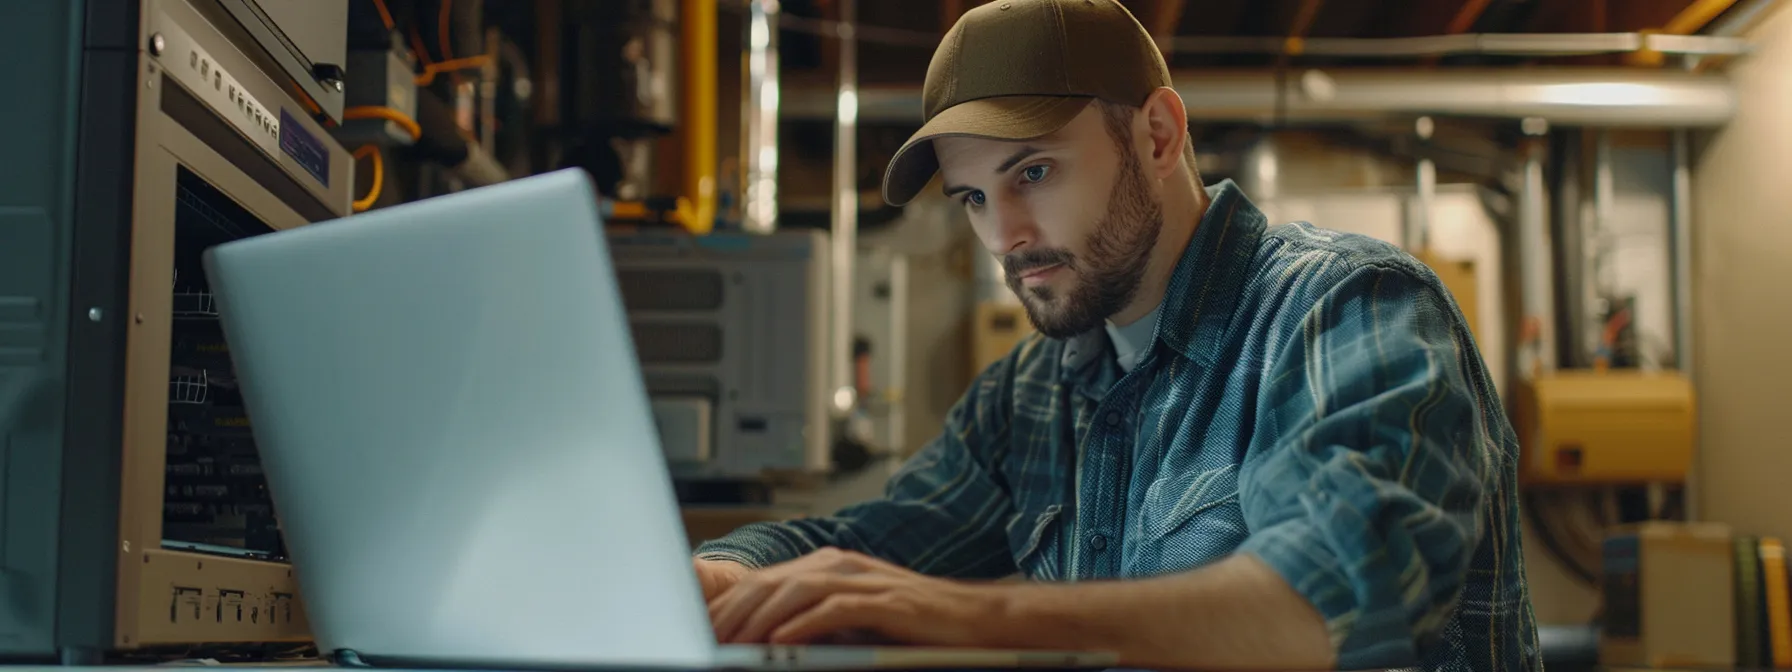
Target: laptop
456	435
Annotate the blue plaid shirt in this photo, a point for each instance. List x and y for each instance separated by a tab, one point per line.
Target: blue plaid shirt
1311	397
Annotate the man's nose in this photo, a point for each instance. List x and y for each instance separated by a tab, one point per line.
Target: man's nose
1015	227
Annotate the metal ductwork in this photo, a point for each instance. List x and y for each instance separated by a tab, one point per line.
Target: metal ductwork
1563	96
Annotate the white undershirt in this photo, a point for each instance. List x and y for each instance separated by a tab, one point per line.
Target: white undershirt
1132	341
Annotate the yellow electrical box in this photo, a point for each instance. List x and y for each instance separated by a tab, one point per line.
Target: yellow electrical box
1610	427
996	329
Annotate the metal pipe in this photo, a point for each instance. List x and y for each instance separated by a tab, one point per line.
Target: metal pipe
1533	249
1162	20
1564	96
846	205
1485	44
1732	23
1680	270
1687	22
1695	16
759	127
1479	44
1262	168
1568	238
1295	43
896	386
1600	243
1418	235
697	20
1680	238
1465	18
1740	18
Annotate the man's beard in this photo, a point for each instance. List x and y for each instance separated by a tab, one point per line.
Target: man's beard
1107	276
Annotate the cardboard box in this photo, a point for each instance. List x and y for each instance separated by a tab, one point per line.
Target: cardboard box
1669	596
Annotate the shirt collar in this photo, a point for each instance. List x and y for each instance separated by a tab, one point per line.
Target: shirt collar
1203	290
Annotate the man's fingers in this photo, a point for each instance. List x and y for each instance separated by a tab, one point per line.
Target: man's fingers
715	578
873	613
765	598
796	595
829	560
728	611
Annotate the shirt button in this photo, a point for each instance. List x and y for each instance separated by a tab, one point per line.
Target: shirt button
1113	418
1098	542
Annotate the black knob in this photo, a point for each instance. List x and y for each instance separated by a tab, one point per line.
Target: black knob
330	75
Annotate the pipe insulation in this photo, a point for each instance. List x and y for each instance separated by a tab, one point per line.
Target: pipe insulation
1563	96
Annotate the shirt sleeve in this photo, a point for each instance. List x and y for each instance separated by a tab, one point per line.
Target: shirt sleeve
1367	500
943	513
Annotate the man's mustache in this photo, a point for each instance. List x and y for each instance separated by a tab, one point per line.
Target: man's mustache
1016	264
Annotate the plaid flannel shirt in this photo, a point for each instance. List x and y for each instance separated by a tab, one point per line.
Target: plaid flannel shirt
1311	397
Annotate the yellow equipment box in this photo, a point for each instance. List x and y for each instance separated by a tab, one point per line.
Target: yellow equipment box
1611	427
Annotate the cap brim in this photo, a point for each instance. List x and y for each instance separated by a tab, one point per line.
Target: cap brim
1001	118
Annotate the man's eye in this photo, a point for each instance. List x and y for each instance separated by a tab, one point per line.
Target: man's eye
974	198
1035	173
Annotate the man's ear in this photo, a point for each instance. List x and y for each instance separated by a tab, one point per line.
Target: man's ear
1166	123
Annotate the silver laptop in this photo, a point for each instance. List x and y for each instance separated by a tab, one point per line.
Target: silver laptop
459	443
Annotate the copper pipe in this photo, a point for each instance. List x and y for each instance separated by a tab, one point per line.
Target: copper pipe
698	39
1467	16
1295	43
1164	19
1464	20
1687	22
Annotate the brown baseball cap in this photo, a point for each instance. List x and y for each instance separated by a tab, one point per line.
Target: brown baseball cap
1021	69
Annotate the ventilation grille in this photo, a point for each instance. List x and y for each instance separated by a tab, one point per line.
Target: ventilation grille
678	343
680	289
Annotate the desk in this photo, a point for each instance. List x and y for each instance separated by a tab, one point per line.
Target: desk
702	523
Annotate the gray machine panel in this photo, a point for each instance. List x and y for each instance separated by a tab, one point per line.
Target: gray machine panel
737	320
316	29
304	38
64	219
194	51
70	210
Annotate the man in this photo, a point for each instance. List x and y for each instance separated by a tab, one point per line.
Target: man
1227	445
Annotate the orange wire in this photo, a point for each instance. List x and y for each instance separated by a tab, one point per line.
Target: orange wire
443	32
417	46
385	16
450	66
376	112
379	176
1609	338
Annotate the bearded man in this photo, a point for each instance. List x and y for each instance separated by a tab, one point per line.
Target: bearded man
1226	446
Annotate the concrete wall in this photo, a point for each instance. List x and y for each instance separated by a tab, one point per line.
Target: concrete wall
1742	238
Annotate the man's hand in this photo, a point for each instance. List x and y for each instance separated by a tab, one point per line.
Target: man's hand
717	576
831	593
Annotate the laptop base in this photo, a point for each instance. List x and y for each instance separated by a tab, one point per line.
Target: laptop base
782	658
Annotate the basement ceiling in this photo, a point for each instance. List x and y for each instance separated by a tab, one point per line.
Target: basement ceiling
897	37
